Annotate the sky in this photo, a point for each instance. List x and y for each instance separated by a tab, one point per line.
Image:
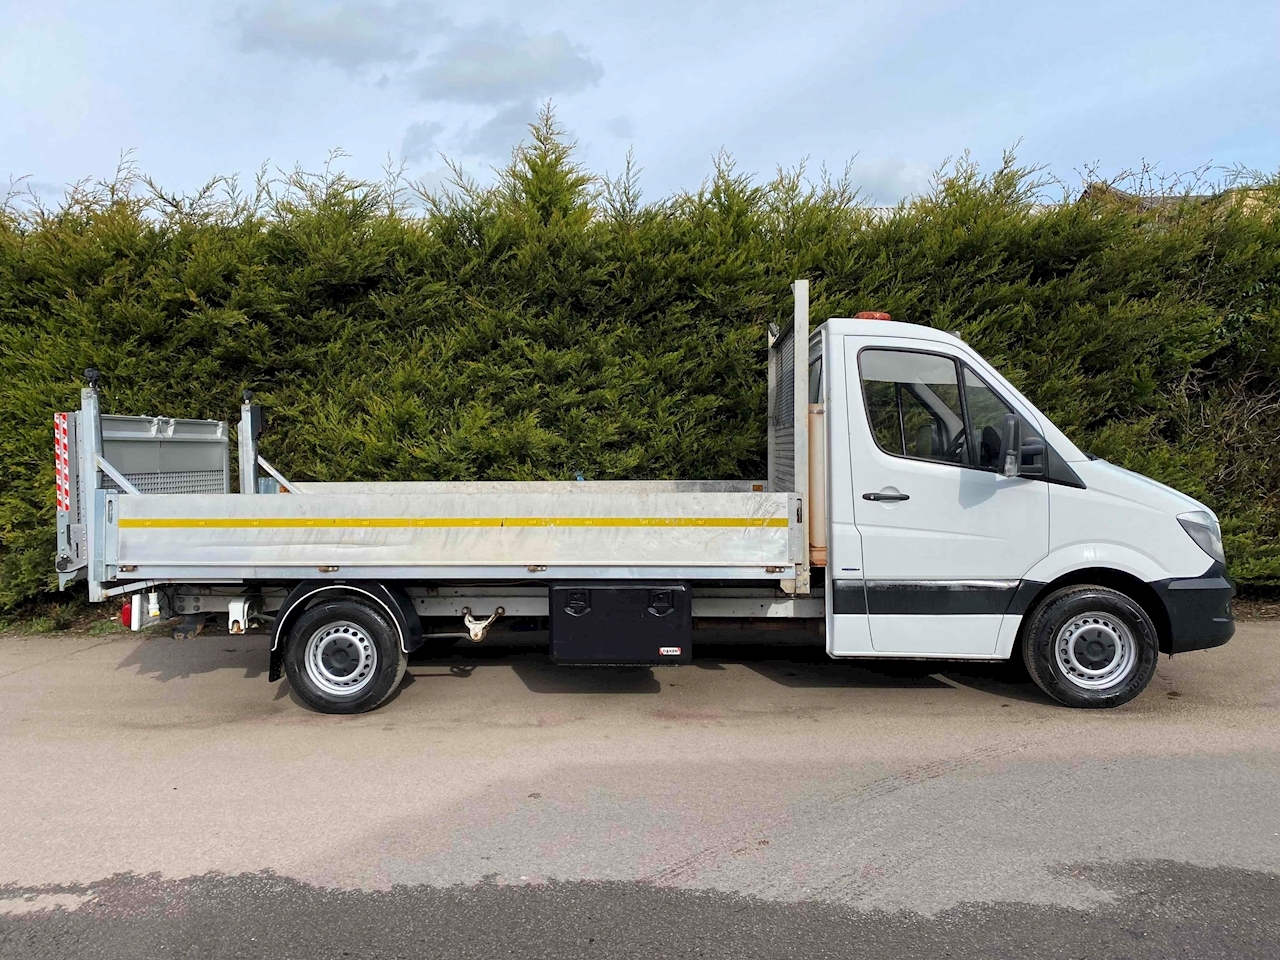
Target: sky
196	89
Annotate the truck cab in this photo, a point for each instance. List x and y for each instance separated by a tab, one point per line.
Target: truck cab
960	520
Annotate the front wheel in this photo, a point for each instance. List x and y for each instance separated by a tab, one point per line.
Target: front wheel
1090	646
344	656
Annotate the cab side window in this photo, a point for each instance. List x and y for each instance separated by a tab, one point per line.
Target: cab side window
986	412
986	415
913	404
815	381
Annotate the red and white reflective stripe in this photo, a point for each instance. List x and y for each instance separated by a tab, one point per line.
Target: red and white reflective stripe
62	461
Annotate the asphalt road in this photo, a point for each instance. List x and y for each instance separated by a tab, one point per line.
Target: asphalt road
161	799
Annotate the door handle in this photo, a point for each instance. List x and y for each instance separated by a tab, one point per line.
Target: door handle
886	497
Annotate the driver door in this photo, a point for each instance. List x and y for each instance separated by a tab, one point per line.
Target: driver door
945	538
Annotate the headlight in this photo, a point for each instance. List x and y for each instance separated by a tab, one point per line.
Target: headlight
1203	528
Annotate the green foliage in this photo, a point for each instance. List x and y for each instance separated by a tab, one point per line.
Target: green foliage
553	323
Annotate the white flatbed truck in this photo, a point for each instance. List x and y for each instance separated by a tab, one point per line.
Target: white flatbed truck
916	505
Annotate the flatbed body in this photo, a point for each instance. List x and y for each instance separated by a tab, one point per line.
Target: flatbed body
486	530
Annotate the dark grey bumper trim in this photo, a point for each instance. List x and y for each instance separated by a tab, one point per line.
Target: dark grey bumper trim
1199	609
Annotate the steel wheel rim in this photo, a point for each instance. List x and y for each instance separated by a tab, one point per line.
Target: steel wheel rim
1095	651
340	658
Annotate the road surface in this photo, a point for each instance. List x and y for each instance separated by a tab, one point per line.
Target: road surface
162	799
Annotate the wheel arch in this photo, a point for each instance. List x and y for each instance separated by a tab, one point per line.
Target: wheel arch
391	601
1137	589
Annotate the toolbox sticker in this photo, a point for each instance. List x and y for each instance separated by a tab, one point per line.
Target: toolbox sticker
670	651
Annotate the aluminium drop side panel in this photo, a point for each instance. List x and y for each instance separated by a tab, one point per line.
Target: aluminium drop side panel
570	533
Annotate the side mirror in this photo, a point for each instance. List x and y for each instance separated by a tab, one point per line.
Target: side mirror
1011	446
1033	461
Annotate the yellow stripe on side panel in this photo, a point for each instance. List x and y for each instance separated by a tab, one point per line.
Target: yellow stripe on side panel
643	522
322	522
249	523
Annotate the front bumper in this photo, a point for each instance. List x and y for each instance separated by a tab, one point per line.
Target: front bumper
1199	610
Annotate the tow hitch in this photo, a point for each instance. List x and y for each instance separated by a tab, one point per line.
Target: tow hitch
478	629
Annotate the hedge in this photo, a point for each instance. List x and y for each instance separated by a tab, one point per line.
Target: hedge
556	324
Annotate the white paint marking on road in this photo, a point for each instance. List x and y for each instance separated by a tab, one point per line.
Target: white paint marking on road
942	678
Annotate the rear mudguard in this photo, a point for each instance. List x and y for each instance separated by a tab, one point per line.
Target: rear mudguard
398	608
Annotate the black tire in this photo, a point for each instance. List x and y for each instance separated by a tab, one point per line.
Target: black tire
355	658
1090	646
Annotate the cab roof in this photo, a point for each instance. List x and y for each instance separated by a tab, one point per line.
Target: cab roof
850	326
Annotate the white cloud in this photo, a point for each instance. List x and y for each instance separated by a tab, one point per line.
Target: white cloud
350	35
495	65
497	135
494	68
887	180
420	139
492	64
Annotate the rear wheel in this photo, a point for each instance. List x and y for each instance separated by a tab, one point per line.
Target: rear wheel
344	656
1090	646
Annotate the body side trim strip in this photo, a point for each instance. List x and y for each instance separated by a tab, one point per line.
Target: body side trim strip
933	597
939	597
848	597
1022	597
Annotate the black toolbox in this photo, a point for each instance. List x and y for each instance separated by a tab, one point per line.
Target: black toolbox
621	623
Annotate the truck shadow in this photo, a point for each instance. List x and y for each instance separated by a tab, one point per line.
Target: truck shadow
529	661
795	659
995	679
798	661
540	675
163	658
1008	680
